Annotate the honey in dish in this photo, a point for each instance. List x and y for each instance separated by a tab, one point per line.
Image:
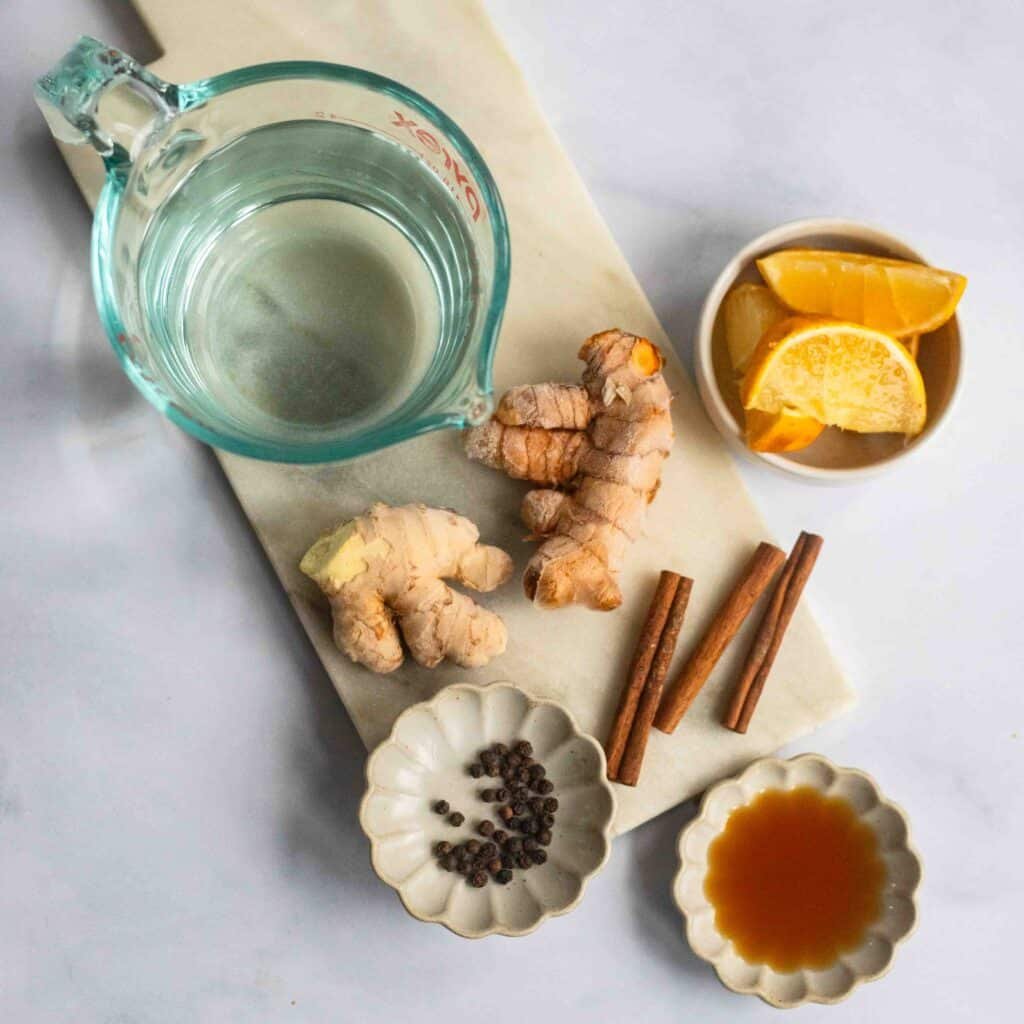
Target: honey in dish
795	879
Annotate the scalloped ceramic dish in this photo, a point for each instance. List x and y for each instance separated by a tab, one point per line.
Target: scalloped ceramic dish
425	759
874	956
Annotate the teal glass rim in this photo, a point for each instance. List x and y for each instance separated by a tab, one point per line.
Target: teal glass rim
476	406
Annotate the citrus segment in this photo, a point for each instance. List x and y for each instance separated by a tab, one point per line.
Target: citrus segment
784	431
841	374
895	296
749	310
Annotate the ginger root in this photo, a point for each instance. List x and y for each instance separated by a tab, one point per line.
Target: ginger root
599	447
391	563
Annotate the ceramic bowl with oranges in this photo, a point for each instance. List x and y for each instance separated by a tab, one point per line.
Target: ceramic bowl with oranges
829	349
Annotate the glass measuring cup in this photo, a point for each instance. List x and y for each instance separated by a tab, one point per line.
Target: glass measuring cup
298	261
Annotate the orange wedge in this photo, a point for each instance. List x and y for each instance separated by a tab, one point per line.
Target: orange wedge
749	310
785	431
839	373
895	296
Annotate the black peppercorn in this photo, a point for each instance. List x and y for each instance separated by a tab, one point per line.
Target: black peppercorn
488	757
442	849
508	860
472	847
493	770
547	820
487	795
524	748
478	879
537	771
500	796
450	863
485	828
523	775
530	844
500	749
494	865
456	818
464	867
523	860
519	810
529	827
514	845
514	824
503	877
536	804
539	856
488	850
500	836
544	786
513	760
506	813
551	805
441	807
544	837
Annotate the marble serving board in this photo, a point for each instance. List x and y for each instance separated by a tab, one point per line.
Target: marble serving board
568	281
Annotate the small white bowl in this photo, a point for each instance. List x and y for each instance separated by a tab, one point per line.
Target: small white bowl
425	759
837	456
874	956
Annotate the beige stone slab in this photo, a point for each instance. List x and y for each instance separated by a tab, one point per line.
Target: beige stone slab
569	279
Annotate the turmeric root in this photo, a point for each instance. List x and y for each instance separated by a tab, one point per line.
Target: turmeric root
391	563
598	447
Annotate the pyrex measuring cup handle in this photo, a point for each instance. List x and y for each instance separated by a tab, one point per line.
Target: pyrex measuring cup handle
70	95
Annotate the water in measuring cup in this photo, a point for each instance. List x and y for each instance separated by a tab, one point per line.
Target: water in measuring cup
312	311
287	282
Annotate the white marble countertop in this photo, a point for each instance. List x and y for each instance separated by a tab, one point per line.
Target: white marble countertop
178	781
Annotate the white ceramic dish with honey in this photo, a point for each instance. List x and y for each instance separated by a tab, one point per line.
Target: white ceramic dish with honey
836	456
894	920
425	759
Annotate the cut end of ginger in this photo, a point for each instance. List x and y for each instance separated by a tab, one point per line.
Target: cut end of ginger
646	358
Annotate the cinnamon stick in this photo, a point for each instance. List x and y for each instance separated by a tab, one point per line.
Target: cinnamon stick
763	637
755	674
758	573
643	655
636	746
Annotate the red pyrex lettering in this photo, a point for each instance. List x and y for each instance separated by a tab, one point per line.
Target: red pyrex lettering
428	142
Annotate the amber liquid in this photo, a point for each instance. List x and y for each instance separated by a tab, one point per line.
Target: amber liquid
795	879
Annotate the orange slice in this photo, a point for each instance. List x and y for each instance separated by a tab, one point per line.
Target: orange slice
749	310
785	431
841	374
895	296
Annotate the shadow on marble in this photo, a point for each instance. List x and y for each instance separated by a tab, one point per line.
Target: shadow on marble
320	833
708	249
128	31
661	925
75	354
